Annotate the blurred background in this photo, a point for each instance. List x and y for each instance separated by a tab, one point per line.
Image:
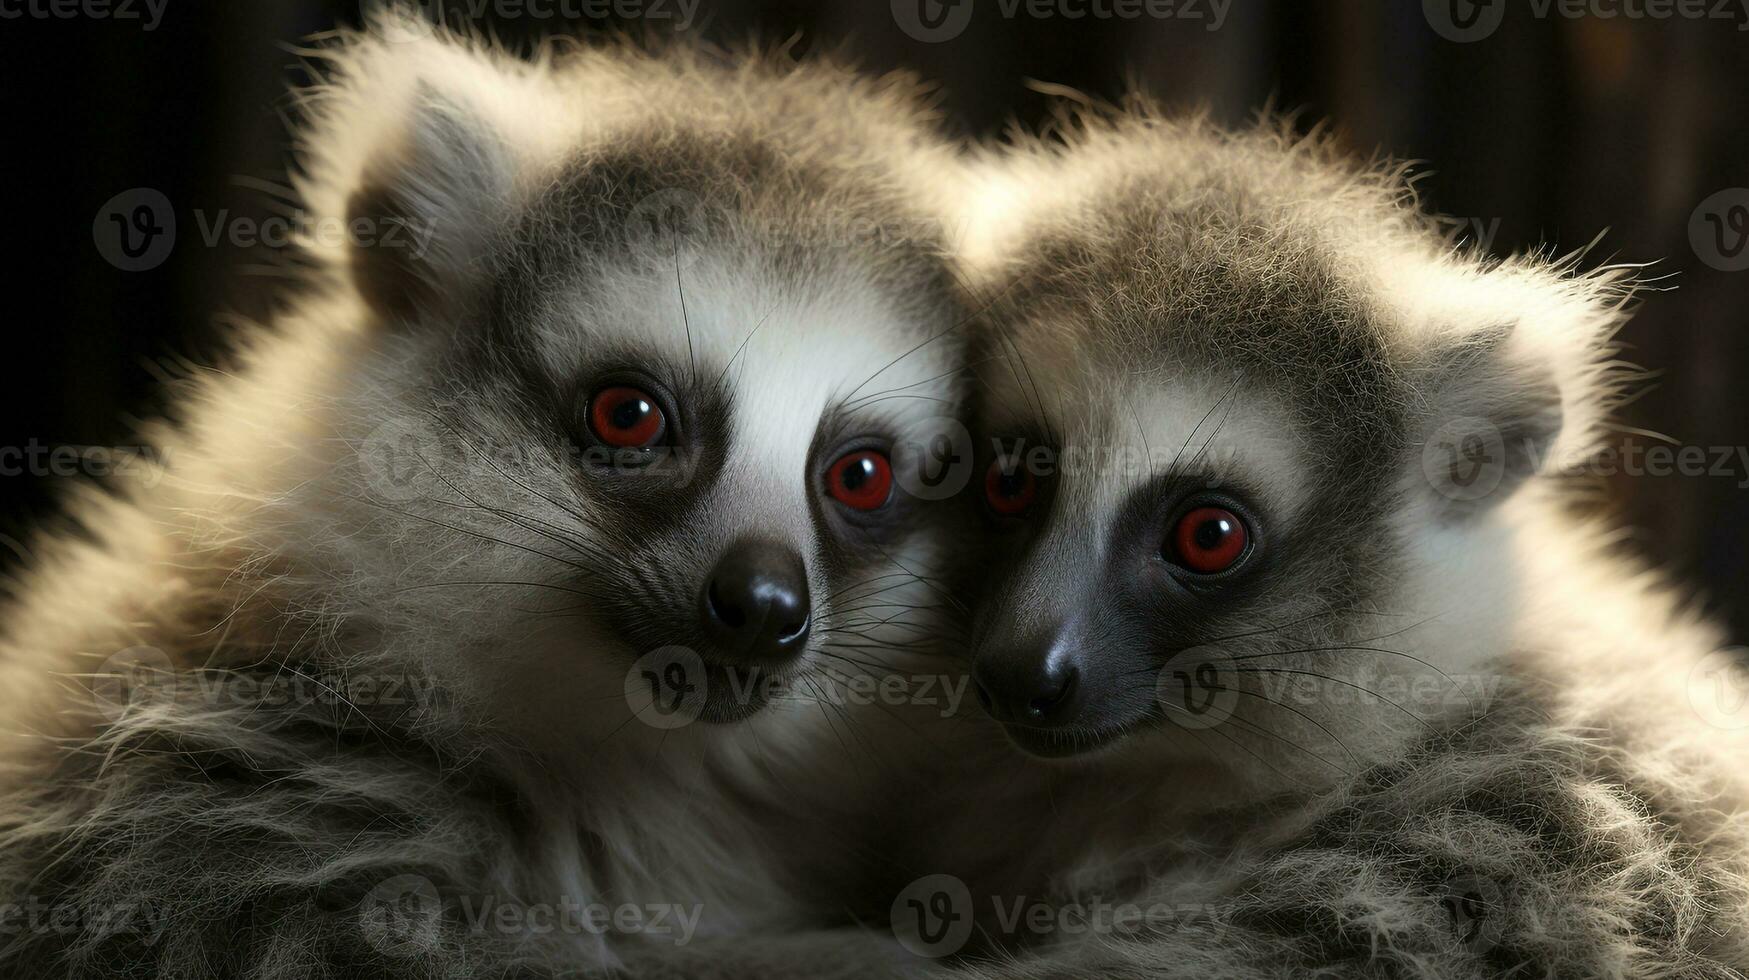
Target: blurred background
1542	123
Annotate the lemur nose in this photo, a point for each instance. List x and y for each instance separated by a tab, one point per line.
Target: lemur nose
755	603
1027	691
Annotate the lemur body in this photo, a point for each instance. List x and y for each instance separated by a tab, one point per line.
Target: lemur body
1297	571
383	499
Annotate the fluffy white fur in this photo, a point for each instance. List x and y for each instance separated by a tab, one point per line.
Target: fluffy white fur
253	835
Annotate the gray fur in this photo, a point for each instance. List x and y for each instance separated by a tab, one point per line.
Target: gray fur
292	712
1251	312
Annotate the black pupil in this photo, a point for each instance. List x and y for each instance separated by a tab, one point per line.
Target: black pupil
1210	533
860	471
1011	484
629	414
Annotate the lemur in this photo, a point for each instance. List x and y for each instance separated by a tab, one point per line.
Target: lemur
1290	577
587	422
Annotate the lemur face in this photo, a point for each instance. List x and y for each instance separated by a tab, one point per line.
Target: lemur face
640	413
1225	480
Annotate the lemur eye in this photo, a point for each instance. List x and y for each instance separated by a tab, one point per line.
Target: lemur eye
861	480
1209	540
1009	487
626	418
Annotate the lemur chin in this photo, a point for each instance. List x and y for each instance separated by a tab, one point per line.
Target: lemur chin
588	434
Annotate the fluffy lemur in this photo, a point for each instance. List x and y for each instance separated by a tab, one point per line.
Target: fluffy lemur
1284	560
597	359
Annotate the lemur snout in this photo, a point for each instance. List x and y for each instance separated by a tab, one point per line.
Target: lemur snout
755	603
1035	691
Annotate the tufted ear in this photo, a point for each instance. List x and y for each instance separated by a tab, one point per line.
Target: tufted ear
411	153
426	211
1493	417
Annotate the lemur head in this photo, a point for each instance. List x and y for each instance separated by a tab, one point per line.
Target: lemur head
1250	432
622	416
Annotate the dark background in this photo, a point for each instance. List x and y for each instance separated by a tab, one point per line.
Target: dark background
1544	133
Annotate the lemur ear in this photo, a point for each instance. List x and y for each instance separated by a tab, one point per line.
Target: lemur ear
426	211
412	151
1493	417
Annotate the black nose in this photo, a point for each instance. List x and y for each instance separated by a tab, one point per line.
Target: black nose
1028	690
755	603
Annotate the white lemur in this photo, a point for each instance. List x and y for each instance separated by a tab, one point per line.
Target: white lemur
602	353
1287	573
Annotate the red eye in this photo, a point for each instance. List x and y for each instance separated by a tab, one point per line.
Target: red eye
626	418
861	481
1009	487
1209	540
